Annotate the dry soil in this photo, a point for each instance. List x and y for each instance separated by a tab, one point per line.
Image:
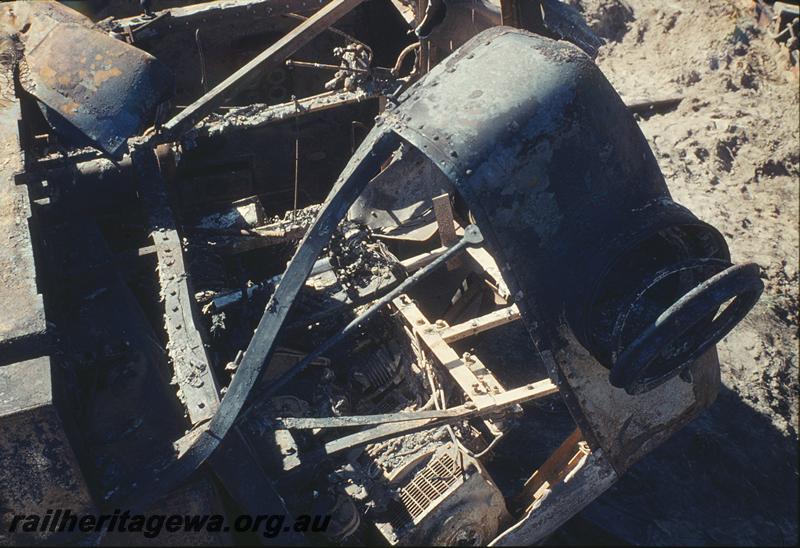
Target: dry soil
730	152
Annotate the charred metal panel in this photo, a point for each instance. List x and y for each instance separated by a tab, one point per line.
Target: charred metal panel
226	44
564	22
102	94
567	497
629	426
164	23
260	161
463	19
398	202
117	362
118	389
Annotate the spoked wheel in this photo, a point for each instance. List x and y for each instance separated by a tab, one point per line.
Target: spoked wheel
687	328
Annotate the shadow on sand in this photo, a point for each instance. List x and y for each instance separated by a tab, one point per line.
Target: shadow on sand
729	477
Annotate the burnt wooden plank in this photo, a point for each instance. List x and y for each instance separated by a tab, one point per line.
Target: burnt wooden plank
256	116
549	470
480	324
429	335
587	477
443	210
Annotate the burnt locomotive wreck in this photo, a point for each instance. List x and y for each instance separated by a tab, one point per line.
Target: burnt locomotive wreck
432	285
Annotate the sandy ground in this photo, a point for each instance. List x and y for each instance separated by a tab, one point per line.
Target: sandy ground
731	153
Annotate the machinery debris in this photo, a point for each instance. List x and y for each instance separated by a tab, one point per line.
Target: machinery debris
257	252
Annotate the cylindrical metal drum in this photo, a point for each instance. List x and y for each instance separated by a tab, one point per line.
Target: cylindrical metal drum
572	202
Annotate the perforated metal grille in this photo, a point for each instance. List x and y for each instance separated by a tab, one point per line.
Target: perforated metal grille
428	484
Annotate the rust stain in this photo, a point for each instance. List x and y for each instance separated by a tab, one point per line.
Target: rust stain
48	74
102	75
70	108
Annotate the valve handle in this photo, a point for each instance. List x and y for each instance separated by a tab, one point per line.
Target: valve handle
647	361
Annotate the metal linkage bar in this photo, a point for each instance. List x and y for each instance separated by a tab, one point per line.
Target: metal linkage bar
472	409
456	414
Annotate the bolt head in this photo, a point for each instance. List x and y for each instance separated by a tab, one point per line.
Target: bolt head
472	235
